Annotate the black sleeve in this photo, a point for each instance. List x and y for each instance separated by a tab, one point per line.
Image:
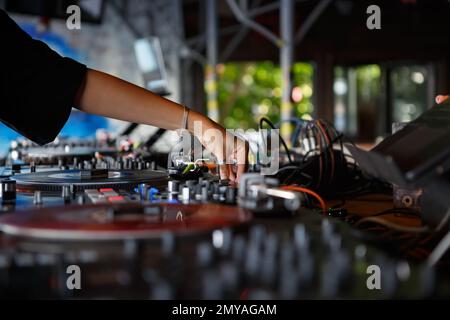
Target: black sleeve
37	86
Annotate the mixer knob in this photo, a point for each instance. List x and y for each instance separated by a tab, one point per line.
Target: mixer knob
80	199
142	189
205	254
37	198
287	256
230	197
66	194
172	186
238	249
32	167
230	277
252	260
330	237
305	269
335	274
389	280
222	240
301	237
73	190
198	192
161	290
204	194
16	168
288	283
8	191
190	183
427	280
23	260
269	262
169	243
212	287
257	234
216	194
128	164
186	194
131	249
86	165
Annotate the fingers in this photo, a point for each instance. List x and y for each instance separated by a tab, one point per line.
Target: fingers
231	174
441	98
223	171
226	172
230	151
241	168
242	156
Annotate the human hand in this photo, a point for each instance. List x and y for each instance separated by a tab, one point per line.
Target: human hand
440	99
230	150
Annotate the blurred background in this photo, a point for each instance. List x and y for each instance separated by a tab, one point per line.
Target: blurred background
240	60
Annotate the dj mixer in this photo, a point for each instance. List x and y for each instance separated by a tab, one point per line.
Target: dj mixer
139	233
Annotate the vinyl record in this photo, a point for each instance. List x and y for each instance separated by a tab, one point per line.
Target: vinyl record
51	155
118	222
81	179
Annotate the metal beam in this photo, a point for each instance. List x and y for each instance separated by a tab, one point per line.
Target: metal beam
245	20
212	59
286	62
311	19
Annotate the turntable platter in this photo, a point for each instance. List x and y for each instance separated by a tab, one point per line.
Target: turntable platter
118	222
120	179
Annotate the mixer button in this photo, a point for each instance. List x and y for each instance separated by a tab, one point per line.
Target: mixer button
116	199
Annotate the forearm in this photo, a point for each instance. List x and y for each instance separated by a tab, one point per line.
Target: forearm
112	97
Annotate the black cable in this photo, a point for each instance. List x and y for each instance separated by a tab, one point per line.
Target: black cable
279	135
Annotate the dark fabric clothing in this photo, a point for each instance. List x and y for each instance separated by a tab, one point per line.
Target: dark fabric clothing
37	86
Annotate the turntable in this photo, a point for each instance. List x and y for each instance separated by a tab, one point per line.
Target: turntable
121	221
88	179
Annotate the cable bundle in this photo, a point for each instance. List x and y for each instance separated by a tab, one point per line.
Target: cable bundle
317	160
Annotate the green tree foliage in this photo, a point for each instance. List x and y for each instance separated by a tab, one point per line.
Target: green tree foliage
249	91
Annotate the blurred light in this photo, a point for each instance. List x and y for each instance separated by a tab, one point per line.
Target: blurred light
340	87
247	80
14	154
418	77
302	108
217	238
276	92
229	122
261	74
263	109
251	69
238	113
220	68
307	91
307	117
145	55
409	108
297	94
